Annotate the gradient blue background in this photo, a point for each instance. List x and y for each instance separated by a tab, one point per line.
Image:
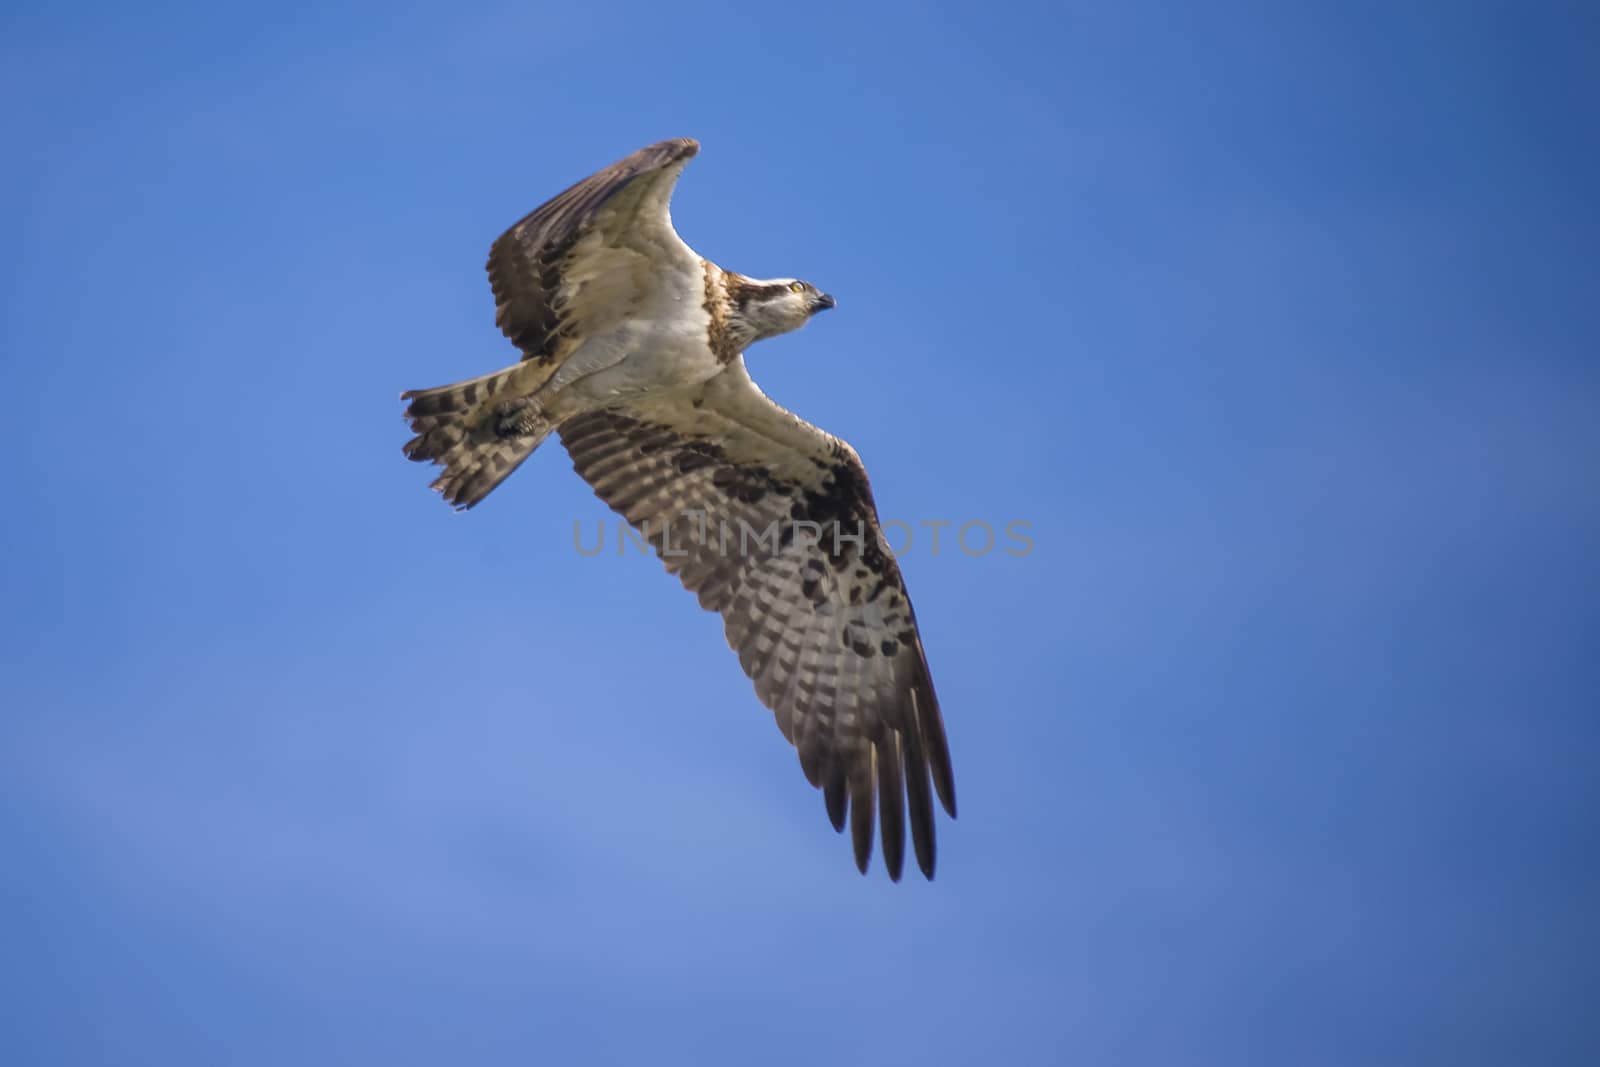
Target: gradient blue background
1278	325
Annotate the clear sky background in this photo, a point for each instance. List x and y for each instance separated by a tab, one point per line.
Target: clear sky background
1277	322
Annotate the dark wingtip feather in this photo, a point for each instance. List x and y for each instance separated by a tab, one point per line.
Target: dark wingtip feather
931	727
834	796
919	801
861	813
809	747
674	148
891	805
944	779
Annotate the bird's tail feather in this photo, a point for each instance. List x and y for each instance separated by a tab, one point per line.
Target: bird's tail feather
475	432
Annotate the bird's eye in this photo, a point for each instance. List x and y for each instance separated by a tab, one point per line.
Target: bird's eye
797	287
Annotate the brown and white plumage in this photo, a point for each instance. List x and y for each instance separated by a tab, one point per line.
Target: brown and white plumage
601	252
632	351
581	265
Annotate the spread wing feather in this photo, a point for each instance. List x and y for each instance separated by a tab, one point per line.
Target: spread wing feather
770	521
592	254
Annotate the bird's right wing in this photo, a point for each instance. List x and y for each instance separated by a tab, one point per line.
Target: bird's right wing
594	255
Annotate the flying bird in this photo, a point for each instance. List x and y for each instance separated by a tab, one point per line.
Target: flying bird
633	353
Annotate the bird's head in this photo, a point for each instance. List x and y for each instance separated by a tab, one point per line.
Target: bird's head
761	308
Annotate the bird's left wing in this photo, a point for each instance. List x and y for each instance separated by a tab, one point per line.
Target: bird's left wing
771	522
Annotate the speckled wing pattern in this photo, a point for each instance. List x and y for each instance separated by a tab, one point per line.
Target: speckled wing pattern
592	254
741	500
578	265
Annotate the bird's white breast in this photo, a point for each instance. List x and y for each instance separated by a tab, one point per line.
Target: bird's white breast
661	342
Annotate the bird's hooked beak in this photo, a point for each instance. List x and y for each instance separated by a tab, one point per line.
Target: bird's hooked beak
822	303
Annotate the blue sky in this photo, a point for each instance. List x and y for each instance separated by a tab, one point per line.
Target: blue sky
1277	325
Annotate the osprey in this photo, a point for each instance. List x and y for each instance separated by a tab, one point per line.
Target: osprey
633	352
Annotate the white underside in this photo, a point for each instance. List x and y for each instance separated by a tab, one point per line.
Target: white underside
659	340
640	356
